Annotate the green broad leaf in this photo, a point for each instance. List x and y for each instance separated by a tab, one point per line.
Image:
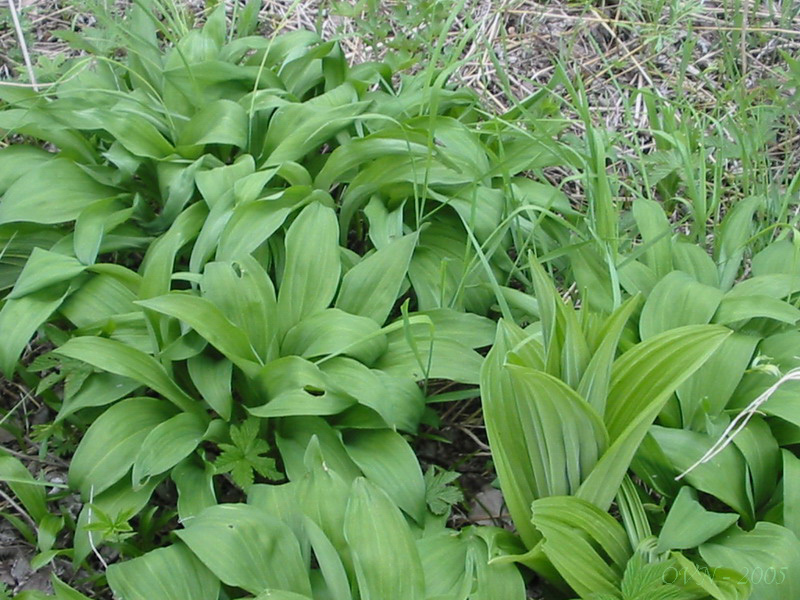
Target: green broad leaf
567	349
252	223
636	278
774	285
335	332
294	386
194	479
398	400
719	583
708	391
662	354
573	531
597	377
246	547
781	257
244	293
768	557
171	573
49	526
217	184
208	321
303	402
18	159
723	477
212	378
743	308
695	261
55	192
248	19
651	371
656	234
763	457
137	134
311	275
219	122
370	289
168	444
100	298
30	492
554	422
120	359
109	447
293	436
499	409
330	564
689	524
158	263
321	495
44	269
732	238
444	561
93	223
65	592
791	492
19	320
296	129
678	300
387	460
385	557
494	580
418	352
471	330
384	226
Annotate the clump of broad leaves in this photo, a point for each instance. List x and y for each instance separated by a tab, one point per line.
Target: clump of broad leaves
667	400
250	261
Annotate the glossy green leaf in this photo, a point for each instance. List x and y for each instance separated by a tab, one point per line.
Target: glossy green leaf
195	482
19	320
44	269
246	547
171	573
55	192
689	524
742	308
387	563
573	530
311	274
167	444
656	232
388	461
18	159
791	492
207	320
678	300
219	122
723	477
651	371
733	235
212	378
370	289
766	551
335	332
116	357
111	444
28	491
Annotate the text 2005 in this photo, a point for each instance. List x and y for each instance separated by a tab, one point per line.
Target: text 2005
756	575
